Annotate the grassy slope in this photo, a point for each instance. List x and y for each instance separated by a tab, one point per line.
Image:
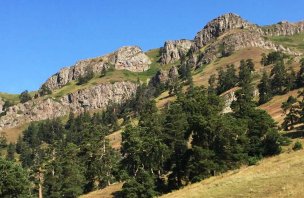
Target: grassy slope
295	42
278	176
107	192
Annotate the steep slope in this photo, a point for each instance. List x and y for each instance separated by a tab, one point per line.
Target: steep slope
279	176
225	40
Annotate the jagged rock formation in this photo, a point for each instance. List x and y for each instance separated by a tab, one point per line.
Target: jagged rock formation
228	33
175	50
218	26
283	28
220	37
96	97
129	58
163	76
235	41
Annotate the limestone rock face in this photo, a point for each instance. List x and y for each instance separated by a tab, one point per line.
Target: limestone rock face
174	50
284	28
218	26
236	41
97	97
1	105
131	58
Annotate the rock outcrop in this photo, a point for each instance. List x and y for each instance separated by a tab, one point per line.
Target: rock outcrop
96	97
175	50
129	58
235	41
219	26
284	28
1	105
163	76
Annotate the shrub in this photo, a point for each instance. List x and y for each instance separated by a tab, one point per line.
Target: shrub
297	146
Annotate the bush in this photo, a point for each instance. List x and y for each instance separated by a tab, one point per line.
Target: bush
253	161
297	146
25	96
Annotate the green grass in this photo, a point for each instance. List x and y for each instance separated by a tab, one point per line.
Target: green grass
14	98
295	42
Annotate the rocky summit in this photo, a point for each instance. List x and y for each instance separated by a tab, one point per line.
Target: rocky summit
130	58
221	37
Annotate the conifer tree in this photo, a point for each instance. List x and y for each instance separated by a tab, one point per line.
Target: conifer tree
265	91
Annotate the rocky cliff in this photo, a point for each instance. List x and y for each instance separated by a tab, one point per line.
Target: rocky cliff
129	58
96	97
283	28
175	50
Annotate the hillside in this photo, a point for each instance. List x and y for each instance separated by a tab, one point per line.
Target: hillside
273	177
279	176
159	119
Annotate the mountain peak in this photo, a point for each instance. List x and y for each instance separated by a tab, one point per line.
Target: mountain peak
218	26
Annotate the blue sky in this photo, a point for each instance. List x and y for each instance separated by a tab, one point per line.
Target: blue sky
38	37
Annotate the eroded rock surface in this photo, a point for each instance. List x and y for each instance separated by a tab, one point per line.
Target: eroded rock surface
131	58
175	50
96	97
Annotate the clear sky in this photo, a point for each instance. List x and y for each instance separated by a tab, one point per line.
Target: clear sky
38	37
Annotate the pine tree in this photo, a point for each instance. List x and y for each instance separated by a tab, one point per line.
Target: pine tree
290	80
278	78
300	75
290	110
11	152
265	91
175	128
14	180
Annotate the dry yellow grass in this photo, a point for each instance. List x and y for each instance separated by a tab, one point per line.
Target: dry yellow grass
12	134
107	192
275	177
273	107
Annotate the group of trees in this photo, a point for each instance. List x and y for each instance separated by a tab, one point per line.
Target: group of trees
191	140
69	159
227	79
280	80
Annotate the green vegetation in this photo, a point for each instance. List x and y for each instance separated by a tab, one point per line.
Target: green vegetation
297	146
25	96
14	180
295	42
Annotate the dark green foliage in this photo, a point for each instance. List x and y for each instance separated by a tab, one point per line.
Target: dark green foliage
11	152
278	78
212	84
3	140
14	180
103	72
297	146
265	91
141	186
226	79
7	104
271	143
25	96
273	57
290	108
89	74
45	90
300	75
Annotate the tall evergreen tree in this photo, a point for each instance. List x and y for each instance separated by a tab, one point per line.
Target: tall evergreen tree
278	78
265	91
